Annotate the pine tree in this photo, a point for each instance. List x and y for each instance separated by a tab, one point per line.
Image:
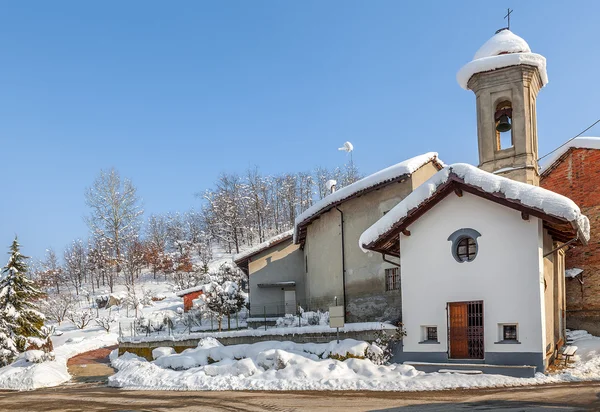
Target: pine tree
21	324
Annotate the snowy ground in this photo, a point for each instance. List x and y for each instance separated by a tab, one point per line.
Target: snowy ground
290	366
23	375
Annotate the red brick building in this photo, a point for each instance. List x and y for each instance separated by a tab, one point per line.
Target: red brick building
574	171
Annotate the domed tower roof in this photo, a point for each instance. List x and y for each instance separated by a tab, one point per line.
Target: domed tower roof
503	42
503	49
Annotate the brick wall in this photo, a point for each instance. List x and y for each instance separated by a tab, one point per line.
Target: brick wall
577	176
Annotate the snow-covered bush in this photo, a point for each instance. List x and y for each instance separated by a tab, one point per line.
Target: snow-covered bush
56	307
37	356
105	322
156	321
303	319
80	318
381	350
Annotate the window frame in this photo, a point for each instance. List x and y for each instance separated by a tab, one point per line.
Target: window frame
504	333
392	274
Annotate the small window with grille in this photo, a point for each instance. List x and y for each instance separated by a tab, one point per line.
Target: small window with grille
509	332
392	279
432	333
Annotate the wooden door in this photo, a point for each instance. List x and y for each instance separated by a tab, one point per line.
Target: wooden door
459	325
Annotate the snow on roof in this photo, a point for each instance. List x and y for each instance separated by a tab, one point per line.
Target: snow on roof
533	196
579	142
184	292
503	42
504	49
263	246
571	273
406	167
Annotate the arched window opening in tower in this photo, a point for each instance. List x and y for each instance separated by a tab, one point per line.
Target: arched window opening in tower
503	119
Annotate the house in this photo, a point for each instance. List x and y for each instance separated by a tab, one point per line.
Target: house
189	295
275	270
366	285
482	249
574	171
322	260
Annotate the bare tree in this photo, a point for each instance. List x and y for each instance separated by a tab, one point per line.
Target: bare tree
115	211
52	272
76	265
58	307
157	232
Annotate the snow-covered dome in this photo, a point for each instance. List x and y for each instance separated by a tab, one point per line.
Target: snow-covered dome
503	42
504	49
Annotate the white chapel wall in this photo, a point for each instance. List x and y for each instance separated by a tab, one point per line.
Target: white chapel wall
505	273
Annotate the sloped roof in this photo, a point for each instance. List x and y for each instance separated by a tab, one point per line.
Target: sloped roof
242	258
182	293
557	156
562	216
375	181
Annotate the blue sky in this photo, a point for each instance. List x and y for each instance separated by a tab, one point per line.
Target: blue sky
173	93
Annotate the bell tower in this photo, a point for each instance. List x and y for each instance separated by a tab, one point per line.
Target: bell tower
506	78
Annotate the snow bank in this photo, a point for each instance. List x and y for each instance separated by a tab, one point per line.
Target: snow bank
23	375
533	196
406	167
504	49
264	245
286	366
348	327
578	142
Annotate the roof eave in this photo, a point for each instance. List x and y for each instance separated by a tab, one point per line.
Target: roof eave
382	244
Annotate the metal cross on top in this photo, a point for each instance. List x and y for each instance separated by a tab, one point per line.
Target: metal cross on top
508	17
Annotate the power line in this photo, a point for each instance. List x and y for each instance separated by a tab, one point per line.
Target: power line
572	138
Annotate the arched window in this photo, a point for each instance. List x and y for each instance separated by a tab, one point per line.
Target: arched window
466	249
464	245
503	119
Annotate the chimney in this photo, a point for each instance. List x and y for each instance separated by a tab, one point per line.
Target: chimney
331	185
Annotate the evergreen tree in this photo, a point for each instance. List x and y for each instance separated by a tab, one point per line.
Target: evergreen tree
21	324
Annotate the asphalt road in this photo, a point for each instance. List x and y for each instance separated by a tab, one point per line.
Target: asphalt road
96	397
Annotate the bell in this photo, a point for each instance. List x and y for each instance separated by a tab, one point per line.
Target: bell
503	124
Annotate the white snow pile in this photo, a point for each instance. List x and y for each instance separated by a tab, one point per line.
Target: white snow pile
292	366
27	374
270	365
406	167
308	318
264	245
577	143
533	196
504	49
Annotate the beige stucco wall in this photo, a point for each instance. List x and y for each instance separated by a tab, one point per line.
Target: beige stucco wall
281	263
365	272
554	293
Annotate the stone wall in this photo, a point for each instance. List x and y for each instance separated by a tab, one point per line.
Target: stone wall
144	349
577	176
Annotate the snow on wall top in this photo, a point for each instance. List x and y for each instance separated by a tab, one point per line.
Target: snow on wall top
262	246
504	49
533	196
403	168
578	142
